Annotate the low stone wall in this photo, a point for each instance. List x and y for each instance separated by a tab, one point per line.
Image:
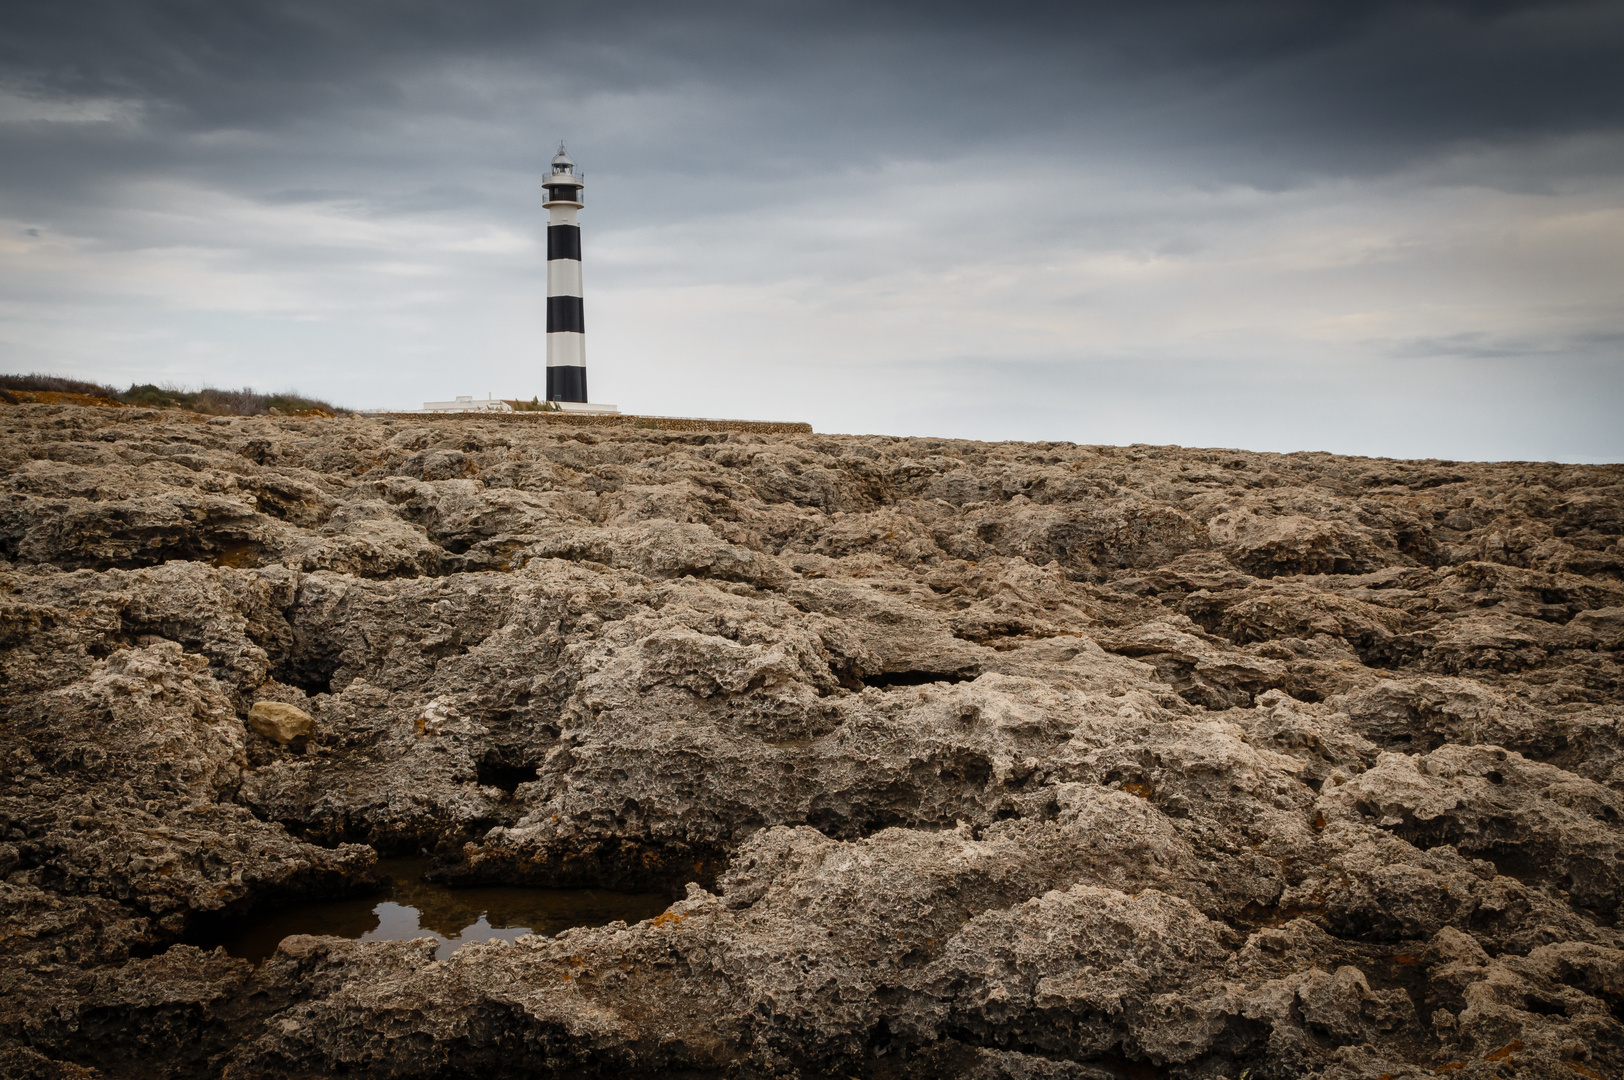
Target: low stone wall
622	420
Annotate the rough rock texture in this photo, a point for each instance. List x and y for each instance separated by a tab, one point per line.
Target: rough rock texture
999	761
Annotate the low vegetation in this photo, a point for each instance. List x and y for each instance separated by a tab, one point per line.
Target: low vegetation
17	389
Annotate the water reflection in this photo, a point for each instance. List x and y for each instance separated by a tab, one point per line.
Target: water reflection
414	908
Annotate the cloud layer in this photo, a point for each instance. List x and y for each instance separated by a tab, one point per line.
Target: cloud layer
1380	228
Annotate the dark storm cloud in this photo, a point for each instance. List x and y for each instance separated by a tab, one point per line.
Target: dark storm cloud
331	94
1274	90
1269	94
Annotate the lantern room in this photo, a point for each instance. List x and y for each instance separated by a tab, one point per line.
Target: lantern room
563	186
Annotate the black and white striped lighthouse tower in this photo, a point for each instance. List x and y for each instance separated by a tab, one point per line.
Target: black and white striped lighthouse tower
566	328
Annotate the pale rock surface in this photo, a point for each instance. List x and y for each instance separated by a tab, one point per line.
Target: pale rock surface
280	722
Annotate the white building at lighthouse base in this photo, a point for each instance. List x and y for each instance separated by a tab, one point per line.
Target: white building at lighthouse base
467	403
586	407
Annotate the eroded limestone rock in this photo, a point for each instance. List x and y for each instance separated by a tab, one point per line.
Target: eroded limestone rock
995	761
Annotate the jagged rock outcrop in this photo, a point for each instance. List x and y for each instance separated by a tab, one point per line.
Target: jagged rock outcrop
995	761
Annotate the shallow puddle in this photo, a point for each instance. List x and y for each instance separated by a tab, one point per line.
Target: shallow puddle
413	908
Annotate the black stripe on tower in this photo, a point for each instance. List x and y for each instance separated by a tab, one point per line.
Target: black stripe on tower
564	242
566	384
565	315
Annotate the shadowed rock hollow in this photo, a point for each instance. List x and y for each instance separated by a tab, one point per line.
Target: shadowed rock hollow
987	760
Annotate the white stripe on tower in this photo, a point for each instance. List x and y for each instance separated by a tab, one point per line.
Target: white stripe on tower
566	326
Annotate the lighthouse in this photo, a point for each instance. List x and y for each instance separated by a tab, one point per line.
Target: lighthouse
566	328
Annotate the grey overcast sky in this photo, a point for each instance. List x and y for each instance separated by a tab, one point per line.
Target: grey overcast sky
1379	228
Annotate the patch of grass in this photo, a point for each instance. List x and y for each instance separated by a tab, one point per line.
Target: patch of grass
210	401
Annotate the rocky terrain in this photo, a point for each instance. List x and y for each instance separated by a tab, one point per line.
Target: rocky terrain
1007	761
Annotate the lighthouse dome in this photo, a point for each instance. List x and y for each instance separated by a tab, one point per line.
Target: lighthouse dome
562	162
